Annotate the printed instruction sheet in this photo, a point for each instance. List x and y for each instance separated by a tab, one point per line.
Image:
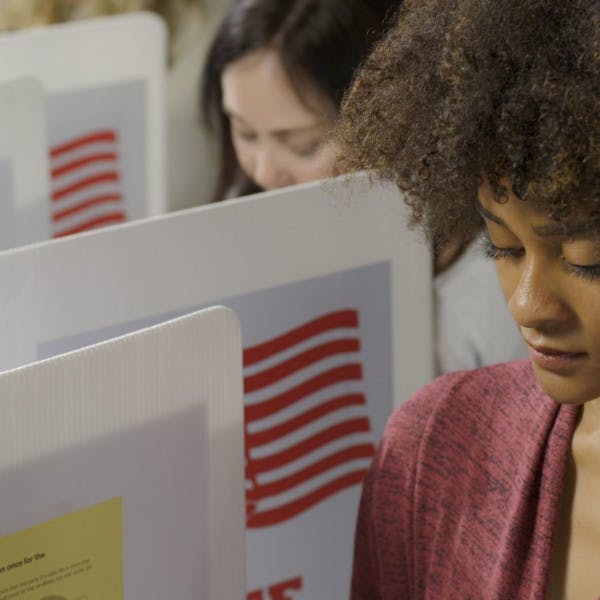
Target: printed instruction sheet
75	557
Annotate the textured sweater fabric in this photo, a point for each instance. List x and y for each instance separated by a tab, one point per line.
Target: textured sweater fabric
463	495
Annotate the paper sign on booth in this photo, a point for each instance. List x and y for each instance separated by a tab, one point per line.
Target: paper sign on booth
75	557
104	106
96	166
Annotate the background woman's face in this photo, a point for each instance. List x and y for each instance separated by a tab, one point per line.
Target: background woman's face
551	280
278	138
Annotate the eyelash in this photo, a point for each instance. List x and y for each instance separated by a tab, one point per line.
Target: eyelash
250	137
246	136
493	252
591	272
306	152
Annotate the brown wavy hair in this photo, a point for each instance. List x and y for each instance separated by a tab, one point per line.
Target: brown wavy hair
464	91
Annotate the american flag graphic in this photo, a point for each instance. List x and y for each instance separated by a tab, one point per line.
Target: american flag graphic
86	183
308	435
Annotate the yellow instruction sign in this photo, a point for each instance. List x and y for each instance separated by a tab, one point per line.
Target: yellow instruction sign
76	557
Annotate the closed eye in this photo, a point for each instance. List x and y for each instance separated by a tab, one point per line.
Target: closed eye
246	136
584	271
495	252
306	150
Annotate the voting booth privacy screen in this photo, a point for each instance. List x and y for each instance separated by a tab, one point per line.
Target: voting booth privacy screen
24	180
121	468
333	294
103	90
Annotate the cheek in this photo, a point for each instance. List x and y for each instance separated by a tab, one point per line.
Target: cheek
508	278
587	307
246	156
319	167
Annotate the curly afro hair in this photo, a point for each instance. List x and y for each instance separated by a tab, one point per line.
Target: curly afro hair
465	91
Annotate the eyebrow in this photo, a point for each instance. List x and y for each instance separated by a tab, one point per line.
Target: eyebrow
486	214
283	134
548	230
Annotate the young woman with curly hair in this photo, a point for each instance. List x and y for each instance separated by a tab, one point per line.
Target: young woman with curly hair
486	115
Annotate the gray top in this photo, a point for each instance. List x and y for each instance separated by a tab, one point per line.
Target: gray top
473	325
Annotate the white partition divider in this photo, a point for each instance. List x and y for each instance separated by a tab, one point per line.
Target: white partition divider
24	173
104	80
121	467
334	296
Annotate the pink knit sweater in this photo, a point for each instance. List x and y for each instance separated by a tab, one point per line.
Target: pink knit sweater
463	495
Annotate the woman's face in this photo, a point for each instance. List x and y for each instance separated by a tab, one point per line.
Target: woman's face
551	281
278	138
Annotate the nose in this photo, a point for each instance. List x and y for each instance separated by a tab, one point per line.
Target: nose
268	173
537	302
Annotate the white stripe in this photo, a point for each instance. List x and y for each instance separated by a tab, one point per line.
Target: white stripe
310	401
303	375
92	191
84	216
81	173
81	152
322	338
348	441
310	485
295	437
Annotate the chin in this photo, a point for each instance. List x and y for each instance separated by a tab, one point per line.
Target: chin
568	389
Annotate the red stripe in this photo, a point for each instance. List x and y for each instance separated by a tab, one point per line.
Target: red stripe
109	176
298	362
67	212
292	509
82	162
362	451
267	436
314	442
261	410
335	320
276	591
92	138
112	218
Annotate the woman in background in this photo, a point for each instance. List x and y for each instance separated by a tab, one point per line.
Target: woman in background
272	87
273	83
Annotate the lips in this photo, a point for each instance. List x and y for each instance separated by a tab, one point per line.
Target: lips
554	359
553	352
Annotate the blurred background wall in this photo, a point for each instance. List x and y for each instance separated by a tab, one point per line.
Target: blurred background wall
191	24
